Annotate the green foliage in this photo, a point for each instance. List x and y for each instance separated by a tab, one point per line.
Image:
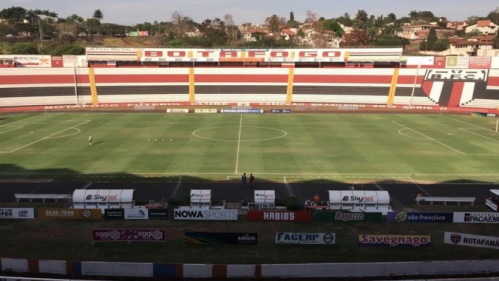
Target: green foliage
70	49
333	25
13	14
441	45
300	33
268	43
496	41
25	48
294	204
180	201
6	29
141	202
390	41
427	45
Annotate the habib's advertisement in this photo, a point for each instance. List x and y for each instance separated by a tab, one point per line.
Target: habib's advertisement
279	216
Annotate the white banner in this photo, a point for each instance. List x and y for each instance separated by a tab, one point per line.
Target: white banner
205	110
471	217
177	110
33	61
203	214
471	240
136	214
305	238
17	213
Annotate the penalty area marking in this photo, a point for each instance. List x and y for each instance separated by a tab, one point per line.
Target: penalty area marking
284	133
406	135
68	135
45	138
15	128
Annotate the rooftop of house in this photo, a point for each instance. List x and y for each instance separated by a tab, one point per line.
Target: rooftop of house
483	23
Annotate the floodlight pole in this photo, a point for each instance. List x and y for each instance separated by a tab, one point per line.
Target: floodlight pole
76	83
415	81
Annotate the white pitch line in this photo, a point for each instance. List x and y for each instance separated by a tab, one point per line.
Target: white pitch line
494	140
21	120
410	178
16	128
239	143
469	123
47	137
86	186
430	138
177	187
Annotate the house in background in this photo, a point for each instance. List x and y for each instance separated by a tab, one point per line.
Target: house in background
484	27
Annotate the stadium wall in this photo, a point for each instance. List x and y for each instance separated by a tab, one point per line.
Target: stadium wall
78	269
442	87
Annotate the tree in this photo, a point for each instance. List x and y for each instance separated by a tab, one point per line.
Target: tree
333	25
68	49
390	41
441	45
361	20
98	15
496	41
274	22
494	16
311	17
14	14
355	38
6	29
40	21
26	48
345	20
300	33
391	17
427	45
291	22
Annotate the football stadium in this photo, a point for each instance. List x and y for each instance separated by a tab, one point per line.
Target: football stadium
275	163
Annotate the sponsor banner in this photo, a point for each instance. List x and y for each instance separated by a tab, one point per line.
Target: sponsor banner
114	214
241	110
94	196
419	217
480	62
439	62
112	51
280	111
305	238
74	61
144	33
112	58
456	62
205	110
127	235
422	61
338	216
203	214
471	217
375	240
56	61
17	213
464	75
61	213
221	238
471	240
33	61
278	216
177	110
158	213
136	214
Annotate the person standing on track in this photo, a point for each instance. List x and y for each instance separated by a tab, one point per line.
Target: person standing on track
243	179
251	180
90	140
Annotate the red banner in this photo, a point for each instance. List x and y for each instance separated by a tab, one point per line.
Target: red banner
56	61
439	62
124	235
480	62
279	216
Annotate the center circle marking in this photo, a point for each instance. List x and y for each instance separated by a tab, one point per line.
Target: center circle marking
282	133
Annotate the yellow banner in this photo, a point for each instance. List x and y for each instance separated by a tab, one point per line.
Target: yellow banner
74	214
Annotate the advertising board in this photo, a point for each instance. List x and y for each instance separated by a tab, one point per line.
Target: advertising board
471	240
158	213
338	216
177	110
380	240
419	217
203	214
476	217
221	238
114	214
136	214
205	110
480	62
317	238
278	216
62	213
32	61
281	111
241	110
129	235
17	213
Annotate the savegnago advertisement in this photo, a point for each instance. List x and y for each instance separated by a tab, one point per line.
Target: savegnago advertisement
471	240
305	238
203	214
379	240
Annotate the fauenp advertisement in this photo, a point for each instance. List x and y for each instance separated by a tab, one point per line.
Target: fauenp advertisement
380	240
17	213
328	238
126	235
419	217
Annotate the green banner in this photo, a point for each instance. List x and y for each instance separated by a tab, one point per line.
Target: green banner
343	216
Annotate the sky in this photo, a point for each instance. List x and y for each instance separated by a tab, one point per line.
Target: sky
130	12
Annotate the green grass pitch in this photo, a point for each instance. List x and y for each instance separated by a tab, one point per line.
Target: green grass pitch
299	147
